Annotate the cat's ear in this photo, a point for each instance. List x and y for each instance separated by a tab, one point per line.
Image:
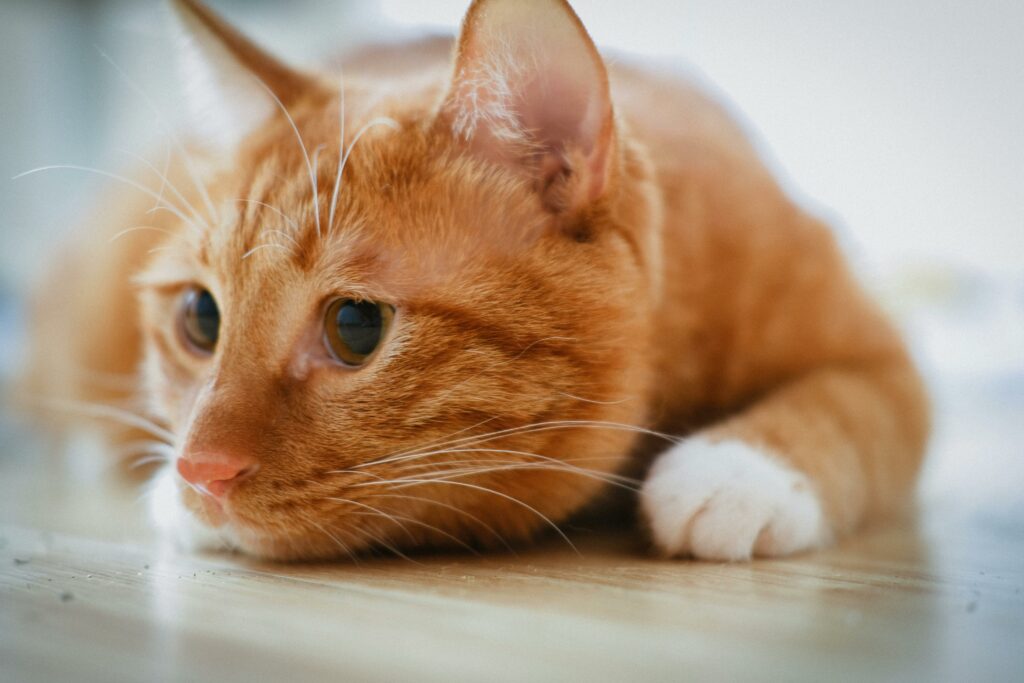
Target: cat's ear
230	82
530	89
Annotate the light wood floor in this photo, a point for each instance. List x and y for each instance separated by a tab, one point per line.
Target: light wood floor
85	594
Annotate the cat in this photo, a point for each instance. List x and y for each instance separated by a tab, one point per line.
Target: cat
448	294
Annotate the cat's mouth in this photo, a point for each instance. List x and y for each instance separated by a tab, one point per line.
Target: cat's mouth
225	526
212	523
208	509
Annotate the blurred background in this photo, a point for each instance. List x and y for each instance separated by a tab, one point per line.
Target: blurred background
900	121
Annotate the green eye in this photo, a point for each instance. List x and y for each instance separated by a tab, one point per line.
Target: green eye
200	320
354	329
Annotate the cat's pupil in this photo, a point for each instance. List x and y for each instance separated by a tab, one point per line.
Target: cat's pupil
359	326
201	319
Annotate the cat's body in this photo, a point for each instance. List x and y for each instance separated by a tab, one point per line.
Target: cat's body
554	283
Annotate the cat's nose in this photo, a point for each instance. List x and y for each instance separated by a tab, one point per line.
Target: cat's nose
215	472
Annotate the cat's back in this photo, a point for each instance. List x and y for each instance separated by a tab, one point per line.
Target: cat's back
675	116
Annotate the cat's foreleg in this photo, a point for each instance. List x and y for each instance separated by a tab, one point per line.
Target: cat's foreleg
805	464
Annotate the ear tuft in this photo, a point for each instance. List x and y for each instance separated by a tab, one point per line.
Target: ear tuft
227	78
530	89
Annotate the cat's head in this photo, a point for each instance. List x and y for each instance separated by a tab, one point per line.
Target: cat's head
401	312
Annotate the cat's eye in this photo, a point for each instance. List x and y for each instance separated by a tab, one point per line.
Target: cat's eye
354	329
200	320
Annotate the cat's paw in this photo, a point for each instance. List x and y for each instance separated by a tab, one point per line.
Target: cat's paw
728	500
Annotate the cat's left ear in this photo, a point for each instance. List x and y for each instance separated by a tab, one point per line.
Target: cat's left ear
530	90
231	82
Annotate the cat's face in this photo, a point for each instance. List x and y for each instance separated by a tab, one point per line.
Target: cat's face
418	357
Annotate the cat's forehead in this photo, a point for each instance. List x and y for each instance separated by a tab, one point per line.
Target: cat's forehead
402	208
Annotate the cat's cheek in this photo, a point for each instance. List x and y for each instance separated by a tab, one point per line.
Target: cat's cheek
175	524
730	501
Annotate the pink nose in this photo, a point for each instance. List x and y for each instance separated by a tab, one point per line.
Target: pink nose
215	472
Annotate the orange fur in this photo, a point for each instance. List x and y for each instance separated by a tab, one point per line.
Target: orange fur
685	294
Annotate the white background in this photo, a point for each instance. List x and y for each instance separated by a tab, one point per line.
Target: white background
900	120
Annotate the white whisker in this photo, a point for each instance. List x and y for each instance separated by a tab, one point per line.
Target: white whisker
441	475
148	460
596	402
139	228
430	444
375	511
163	174
166	182
265	246
302	146
290	221
374	537
341	151
379	121
113	176
408	520
167	130
483	489
145	447
344	546
283	234
528	429
100	410
454	509
565	464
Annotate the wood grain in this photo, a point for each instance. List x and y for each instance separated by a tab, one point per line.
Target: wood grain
86	594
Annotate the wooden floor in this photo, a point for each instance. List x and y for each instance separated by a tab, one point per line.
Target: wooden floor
87	595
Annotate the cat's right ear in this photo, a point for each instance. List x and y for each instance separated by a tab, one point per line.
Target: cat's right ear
230	82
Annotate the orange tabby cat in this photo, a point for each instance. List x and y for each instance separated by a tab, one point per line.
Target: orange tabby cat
412	304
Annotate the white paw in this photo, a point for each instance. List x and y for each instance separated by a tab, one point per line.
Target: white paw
728	500
175	523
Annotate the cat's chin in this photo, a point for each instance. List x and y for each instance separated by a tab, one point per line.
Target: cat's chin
183	530
180	527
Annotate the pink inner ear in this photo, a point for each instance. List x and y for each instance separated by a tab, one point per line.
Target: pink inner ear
568	122
529	77
561	110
